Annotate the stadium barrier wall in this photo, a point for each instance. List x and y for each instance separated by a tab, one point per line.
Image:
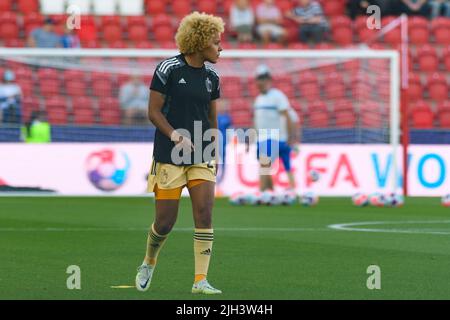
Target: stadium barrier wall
122	168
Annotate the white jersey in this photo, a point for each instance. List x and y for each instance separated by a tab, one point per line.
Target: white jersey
267	114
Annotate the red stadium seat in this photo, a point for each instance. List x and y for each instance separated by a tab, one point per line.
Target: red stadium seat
15	43
118	44
164	33
27	6
136	21
334	86
421	116
273	46
102	88
138	33
30	104
24	73
112	32
364	33
309	86
82	102
241	119
161	20
341	28
415	90
443	114
344	113
418	30
155	7
441	30
446	58
49	87
88	32
427	58
75	88
437	87
9	31
318	116
56	107
26	86
334	8
247	45
207	6
181	8
394	36
231	87
110	20
32	21
285	5
240	104
83	116
5	5
8	17
110	116
298	46
47	74
284	83
371	115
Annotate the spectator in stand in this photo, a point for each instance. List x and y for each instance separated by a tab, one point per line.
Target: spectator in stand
269	19
312	22
359	7
440	8
133	98
10	99
70	39
44	37
412	7
37	129
242	20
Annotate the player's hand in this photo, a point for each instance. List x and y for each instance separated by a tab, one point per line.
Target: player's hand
181	141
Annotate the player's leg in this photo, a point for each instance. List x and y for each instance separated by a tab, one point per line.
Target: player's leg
165	217
285	156
172	178
264	155
166	212
201	187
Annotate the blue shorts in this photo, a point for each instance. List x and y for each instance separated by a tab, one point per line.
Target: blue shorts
274	149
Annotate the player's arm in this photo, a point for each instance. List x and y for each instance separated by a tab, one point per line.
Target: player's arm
290	127
212	117
156	116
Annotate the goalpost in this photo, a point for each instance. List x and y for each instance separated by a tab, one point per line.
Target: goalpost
342	96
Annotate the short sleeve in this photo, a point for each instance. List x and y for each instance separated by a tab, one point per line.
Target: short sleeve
282	101
215	94
159	81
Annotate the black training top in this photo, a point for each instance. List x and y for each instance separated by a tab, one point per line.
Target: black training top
188	92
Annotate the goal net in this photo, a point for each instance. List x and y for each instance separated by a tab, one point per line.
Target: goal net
347	102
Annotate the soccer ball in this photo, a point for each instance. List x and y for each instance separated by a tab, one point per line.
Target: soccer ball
377	199
251	198
309	199
268	198
360	200
393	200
314	175
107	170
446	200
288	198
237	198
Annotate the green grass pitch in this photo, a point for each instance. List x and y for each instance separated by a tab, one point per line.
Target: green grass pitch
259	252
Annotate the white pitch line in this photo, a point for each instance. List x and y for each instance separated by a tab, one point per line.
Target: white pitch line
350	227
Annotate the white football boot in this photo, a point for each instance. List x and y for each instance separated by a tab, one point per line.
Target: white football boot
204	287
144	277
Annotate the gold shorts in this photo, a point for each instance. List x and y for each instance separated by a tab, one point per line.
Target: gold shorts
169	176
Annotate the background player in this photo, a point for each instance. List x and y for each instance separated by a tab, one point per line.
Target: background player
183	91
271	114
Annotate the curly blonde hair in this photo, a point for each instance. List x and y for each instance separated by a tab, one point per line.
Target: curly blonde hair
196	31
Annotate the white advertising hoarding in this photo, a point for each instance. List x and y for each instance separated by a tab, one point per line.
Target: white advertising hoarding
121	169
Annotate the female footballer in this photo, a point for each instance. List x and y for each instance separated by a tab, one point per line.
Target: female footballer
183	98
